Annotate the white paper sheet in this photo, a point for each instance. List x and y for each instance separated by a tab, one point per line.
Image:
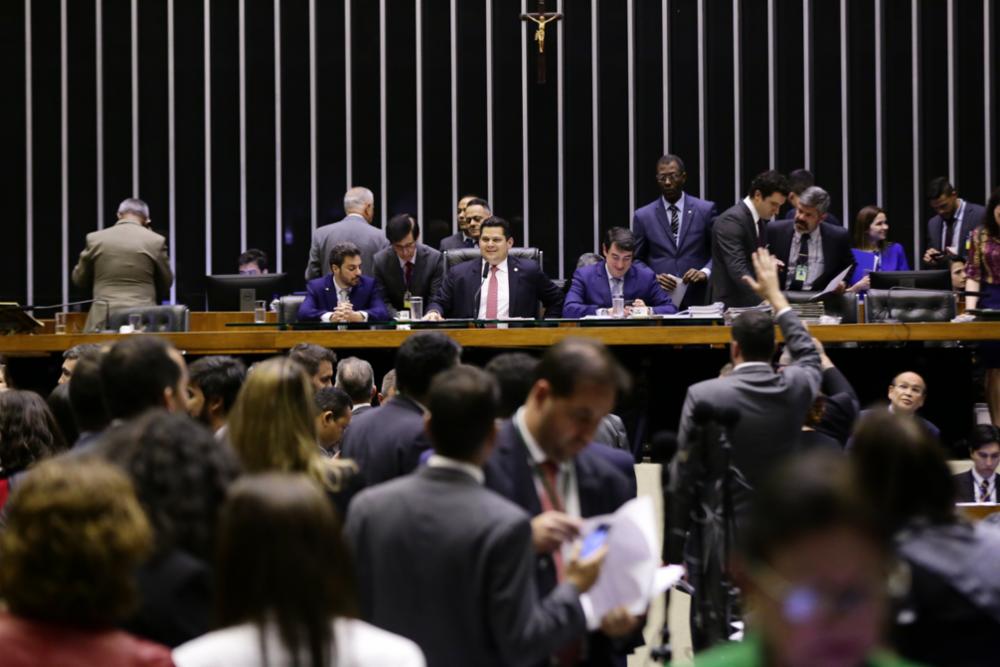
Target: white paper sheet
678	292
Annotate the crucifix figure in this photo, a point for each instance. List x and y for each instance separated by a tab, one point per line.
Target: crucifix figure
541	18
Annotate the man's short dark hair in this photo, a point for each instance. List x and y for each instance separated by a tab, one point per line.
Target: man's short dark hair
463	403
332	399
496	221
514	373
939	187
575	361
621	237
669	159
420	357
342	251
982	435
399	226
80	350
253	256
218	376
310	356
135	372
86	395
754	331
767	183
356	377
799	180
478	201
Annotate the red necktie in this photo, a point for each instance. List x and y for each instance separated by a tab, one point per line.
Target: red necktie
551	500
491	295
408	274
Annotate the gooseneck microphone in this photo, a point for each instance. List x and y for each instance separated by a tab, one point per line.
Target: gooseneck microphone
475	299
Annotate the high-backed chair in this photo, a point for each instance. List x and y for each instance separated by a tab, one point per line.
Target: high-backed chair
453	258
288	308
843	305
154	318
910	305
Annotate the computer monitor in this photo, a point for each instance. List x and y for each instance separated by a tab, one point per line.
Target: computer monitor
237	292
936	279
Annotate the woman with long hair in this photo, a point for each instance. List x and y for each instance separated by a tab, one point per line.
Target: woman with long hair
872	249
272	427
983	276
28	434
285	593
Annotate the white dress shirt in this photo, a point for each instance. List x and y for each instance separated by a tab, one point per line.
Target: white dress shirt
503	293
815	258
473	471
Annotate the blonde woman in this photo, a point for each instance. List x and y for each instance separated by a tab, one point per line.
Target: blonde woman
272	427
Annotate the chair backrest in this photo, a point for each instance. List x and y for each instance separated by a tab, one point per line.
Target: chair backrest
288	308
455	257
904	305
844	305
154	318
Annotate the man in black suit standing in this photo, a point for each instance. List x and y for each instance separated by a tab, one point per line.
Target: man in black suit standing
448	563
387	442
498	286
407	268
948	232
737	233
979	485
813	251
543	463
467	236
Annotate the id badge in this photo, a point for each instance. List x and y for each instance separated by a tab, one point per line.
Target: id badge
801	272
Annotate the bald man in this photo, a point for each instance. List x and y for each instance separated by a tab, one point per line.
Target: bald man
907	394
356	227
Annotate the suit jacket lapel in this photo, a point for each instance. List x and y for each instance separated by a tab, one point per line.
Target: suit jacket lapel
603	287
513	281
687	221
664	222
589	489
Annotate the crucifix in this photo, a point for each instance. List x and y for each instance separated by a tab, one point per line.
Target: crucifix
541	18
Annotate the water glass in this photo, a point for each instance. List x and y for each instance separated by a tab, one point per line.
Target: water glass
618	306
135	321
417	307
259	312
60	323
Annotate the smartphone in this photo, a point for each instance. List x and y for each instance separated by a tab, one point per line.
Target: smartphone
594	540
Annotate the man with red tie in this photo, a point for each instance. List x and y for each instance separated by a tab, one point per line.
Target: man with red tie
498	286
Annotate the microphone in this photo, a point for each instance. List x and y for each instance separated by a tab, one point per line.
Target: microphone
475	298
58	305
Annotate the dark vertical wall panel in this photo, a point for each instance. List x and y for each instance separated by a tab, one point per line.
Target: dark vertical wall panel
973	92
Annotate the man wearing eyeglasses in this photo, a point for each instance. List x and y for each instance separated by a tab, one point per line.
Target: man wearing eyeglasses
407	268
673	233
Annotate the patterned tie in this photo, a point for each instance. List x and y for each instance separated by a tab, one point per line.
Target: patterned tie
343	295
408	274
675	222
801	261
492	293
984	491
617	287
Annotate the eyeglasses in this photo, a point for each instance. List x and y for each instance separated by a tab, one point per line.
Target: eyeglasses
670	178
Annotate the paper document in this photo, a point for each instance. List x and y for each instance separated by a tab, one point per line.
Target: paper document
832	285
631	575
677	293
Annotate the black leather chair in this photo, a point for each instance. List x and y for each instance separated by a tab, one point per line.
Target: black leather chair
910	305
288	308
155	319
843	305
455	257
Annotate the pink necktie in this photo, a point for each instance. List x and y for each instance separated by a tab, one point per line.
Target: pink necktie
491	295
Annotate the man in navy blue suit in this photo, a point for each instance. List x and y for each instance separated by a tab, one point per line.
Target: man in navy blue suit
498	286
593	286
344	295
948	232
543	461
673	233
467	235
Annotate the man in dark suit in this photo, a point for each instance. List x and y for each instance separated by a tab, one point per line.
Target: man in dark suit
467	235
594	286
979	485
948	232
356	227
387	442
345	295
737	233
357	379
448	563
673	234
497	287
543	460
798	181
813	251
126	265
406	267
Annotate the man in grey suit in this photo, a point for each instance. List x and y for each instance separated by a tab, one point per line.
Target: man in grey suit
357	379
737	233
126	264
356	227
407	268
446	562
771	406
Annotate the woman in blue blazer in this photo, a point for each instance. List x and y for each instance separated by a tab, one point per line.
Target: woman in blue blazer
873	251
